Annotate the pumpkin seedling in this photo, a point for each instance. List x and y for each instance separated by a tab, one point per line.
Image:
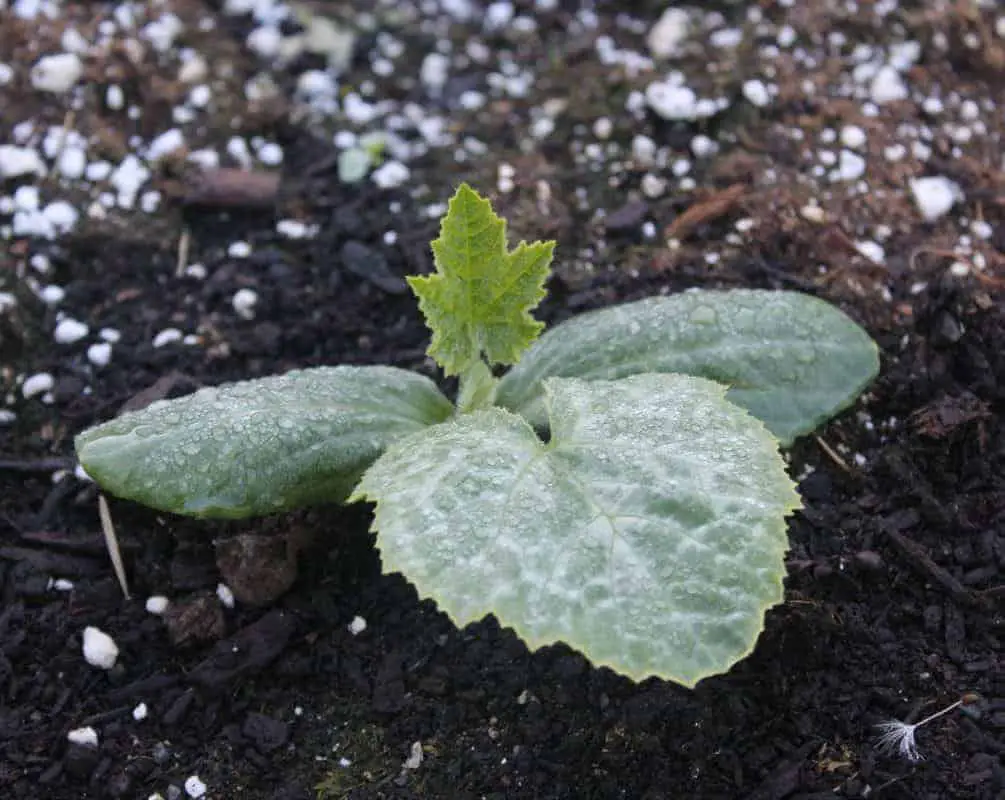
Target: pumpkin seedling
619	489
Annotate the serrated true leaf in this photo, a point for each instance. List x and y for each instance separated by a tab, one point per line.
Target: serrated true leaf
478	301
260	446
790	359
649	532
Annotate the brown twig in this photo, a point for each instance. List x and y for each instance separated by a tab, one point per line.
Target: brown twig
833	454
232	188
707	210
923	564
184	241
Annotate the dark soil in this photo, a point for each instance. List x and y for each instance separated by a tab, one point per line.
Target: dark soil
894	602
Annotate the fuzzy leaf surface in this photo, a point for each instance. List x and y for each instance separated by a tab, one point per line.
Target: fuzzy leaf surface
478	301
260	446
649	532
792	360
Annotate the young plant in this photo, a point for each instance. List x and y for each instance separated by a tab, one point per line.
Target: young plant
619	489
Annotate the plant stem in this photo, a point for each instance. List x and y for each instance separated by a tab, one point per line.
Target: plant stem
477	388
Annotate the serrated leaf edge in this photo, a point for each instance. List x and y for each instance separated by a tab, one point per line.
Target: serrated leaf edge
780	532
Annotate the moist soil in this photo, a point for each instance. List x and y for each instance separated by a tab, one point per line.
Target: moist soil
893	603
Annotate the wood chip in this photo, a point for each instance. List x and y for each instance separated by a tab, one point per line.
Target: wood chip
231	188
705	211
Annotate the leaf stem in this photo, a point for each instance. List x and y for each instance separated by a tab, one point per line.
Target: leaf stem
477	387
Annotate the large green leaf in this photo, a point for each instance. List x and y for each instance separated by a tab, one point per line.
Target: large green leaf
260	446
649	532
478	301
790	359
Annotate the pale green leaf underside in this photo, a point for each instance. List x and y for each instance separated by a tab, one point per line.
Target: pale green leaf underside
260	446
478	301
790	359
649	533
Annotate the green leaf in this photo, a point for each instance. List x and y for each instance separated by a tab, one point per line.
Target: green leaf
649	532
478	301
792	360
260	446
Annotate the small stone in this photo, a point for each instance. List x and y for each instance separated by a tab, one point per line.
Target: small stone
669	33
653	186
165	144
851	166
887	86
225	595
390	175
295	229
258	569
194	787
703	146
672	102
353	164
16	162
357	626
433	72
414	760
72	162
643	150
57	74
83	736
39	383
157	604
99	354
52	295
603	128
196	619
756	93
813	213
200	96
265	41
244	302
853	136
935	196
166	337
160	753
270	154
498	15
239	250
61	216
871	250
69	330
99	648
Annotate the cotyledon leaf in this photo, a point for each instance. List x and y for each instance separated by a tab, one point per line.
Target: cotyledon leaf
649	532
790	359
260	446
